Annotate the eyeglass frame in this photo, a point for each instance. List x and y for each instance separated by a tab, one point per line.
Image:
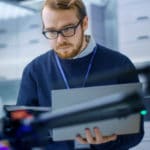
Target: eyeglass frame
74	27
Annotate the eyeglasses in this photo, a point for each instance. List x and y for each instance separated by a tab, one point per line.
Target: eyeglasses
66	32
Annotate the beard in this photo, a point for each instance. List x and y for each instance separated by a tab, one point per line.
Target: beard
67	50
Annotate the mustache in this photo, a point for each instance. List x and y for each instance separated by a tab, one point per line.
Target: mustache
63	45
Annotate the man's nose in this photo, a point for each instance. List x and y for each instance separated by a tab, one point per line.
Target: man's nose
60	38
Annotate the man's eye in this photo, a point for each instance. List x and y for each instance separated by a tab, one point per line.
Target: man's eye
52	32
68	29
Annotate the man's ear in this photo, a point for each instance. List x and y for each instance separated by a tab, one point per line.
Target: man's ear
85	23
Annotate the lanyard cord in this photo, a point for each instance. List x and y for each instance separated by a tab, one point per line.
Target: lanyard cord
63	74
61	71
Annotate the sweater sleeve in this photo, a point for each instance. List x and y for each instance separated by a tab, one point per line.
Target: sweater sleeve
28	92
124	142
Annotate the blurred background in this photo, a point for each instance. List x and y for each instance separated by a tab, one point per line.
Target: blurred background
122	25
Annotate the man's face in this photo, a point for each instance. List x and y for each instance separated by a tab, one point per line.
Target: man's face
56	20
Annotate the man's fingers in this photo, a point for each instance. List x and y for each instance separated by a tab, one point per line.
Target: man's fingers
81	140
98	135
89	136
98	139
109	138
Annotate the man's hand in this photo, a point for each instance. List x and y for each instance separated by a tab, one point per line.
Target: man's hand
97	139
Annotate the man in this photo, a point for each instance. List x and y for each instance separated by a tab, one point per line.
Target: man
73	62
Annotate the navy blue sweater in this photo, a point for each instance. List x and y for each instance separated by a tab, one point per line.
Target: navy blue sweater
42	75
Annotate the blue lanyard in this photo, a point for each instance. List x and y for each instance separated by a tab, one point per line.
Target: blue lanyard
63	74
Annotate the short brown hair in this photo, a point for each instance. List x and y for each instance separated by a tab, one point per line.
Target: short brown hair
77	5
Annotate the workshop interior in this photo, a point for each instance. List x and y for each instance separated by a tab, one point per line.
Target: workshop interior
122	25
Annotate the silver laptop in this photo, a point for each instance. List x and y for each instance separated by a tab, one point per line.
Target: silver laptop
62	99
